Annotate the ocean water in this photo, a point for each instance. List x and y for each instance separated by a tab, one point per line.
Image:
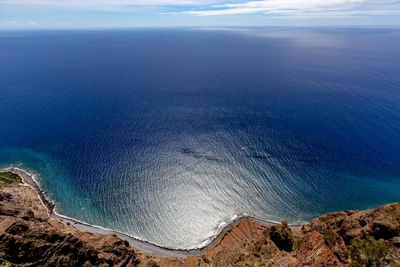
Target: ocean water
167	134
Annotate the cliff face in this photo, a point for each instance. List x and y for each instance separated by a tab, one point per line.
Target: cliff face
28	237
362	238
380	223
349	238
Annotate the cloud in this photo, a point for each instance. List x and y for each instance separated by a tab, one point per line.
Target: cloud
9	23
102	4
17	24
305	8
273	8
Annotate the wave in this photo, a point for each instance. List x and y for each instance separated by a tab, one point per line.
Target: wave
32	180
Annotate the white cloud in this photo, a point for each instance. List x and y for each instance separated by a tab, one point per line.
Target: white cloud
99	4
274	8
9	23
305	8
17	24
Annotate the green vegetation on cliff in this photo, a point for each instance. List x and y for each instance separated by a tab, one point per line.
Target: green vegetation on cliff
8	178
371	252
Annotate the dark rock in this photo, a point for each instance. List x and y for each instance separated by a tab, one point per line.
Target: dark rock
5	196
28	215
17	227
383	230
282	236
396	241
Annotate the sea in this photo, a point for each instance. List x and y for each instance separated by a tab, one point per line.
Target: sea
169	134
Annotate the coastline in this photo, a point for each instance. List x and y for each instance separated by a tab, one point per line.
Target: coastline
141	245
29	236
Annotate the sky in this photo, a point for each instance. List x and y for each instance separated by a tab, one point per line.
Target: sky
37	14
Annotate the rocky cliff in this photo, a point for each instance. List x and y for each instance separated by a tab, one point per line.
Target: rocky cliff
28	237
347	238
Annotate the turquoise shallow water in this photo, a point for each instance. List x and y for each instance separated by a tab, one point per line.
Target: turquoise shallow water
167	134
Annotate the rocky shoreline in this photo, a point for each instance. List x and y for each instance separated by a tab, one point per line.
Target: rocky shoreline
29	237
142	245
32	234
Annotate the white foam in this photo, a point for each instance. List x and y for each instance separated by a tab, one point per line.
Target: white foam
154	248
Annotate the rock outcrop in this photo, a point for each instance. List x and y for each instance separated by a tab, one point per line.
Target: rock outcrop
314	252
381	223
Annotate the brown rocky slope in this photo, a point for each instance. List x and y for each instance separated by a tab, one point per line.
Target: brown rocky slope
348	238
28	237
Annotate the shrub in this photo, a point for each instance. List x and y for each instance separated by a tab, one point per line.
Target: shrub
7	178
330	237
370	252
296	245
3	259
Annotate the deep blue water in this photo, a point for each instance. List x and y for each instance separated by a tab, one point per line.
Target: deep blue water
165	134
